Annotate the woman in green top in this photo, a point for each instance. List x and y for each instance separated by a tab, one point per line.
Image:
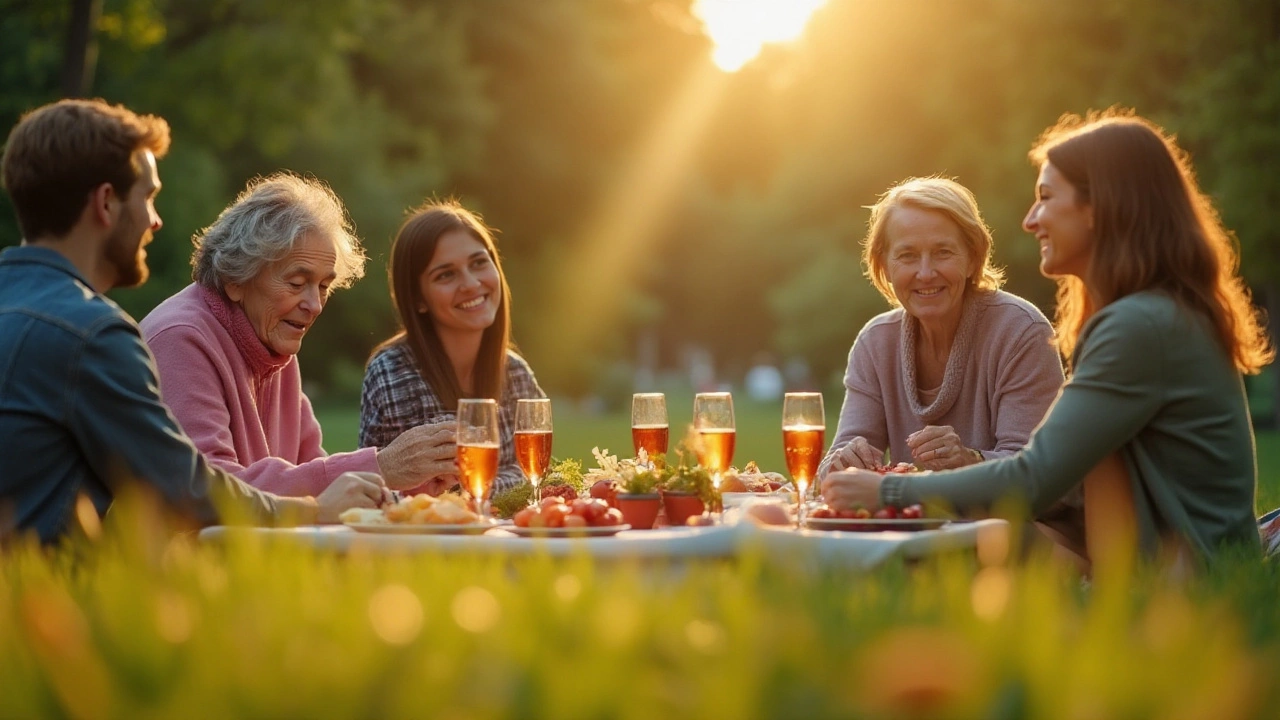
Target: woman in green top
1158	328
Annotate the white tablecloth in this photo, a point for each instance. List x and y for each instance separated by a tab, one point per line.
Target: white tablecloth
849	549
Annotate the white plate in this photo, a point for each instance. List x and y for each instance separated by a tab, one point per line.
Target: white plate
603	531
421	528
874	525
735	499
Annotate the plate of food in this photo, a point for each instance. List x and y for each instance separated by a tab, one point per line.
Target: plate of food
567	532
422	529
874	524
751	480
737	499
448	514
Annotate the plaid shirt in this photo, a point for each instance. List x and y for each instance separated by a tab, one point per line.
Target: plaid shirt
396	398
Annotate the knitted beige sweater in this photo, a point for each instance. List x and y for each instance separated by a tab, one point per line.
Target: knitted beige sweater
1002	374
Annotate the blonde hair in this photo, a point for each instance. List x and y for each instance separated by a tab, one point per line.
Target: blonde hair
941	195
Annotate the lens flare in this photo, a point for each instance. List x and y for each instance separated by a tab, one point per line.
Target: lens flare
741	28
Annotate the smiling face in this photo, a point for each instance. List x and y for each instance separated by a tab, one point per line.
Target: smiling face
286	296
125	247
1062	225
460	289
928	264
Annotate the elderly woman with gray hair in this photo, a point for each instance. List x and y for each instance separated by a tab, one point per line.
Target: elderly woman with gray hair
226	346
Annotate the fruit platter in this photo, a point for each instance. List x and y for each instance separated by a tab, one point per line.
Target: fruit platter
556	517
909	518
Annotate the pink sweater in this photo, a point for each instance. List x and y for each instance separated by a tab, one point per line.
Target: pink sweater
1001	377
242	406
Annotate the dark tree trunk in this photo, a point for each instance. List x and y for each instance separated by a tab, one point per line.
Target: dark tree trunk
81	53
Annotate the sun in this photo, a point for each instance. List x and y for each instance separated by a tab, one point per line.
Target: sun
740	28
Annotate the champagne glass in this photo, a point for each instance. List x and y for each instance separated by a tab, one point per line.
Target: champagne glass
804	428
649	428
713	420
478	442
533	440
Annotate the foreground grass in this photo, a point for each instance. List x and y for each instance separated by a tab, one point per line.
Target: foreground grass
142	624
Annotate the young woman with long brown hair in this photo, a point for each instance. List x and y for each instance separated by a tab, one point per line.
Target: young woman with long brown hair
1158	328
453	304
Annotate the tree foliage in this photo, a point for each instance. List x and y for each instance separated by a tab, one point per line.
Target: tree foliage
536	113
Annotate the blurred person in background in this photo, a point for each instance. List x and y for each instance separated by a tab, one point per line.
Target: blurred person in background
79	412
1158	325
960	371
454	309
227	345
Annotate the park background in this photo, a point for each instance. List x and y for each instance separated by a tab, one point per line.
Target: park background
669	202
667	197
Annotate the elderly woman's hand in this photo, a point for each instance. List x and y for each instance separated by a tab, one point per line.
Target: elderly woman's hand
857	453
938	447
349	490
421	453
850	489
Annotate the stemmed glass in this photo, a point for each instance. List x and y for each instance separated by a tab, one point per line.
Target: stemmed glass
804	428
649	428
713	420
478	442
533	440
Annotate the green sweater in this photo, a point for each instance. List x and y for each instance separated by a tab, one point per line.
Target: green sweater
1152	381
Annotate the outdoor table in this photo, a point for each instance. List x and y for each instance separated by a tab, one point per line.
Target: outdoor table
858	550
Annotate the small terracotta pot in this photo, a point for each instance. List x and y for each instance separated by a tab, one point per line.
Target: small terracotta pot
639	510
681	506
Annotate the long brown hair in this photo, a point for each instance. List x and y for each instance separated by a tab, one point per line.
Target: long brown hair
1153	229
414	246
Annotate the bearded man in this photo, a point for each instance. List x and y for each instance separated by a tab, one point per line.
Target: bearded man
80	413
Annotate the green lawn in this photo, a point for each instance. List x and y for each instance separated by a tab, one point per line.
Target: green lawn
149	624
759	436
152	624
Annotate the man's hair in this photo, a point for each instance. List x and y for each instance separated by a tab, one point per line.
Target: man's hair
58	153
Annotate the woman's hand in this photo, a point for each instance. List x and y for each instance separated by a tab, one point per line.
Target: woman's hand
421	453
851	489
938	447
348	490
857	453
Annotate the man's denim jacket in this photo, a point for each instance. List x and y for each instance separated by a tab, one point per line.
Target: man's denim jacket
80	409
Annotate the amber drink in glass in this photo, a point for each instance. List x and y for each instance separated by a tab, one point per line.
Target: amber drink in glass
533	440
649	428
804	428
478	442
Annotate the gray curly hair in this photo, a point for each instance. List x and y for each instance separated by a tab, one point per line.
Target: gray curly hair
263	224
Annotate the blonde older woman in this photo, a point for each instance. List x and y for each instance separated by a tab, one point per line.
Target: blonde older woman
960	371
1154	423
226	346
